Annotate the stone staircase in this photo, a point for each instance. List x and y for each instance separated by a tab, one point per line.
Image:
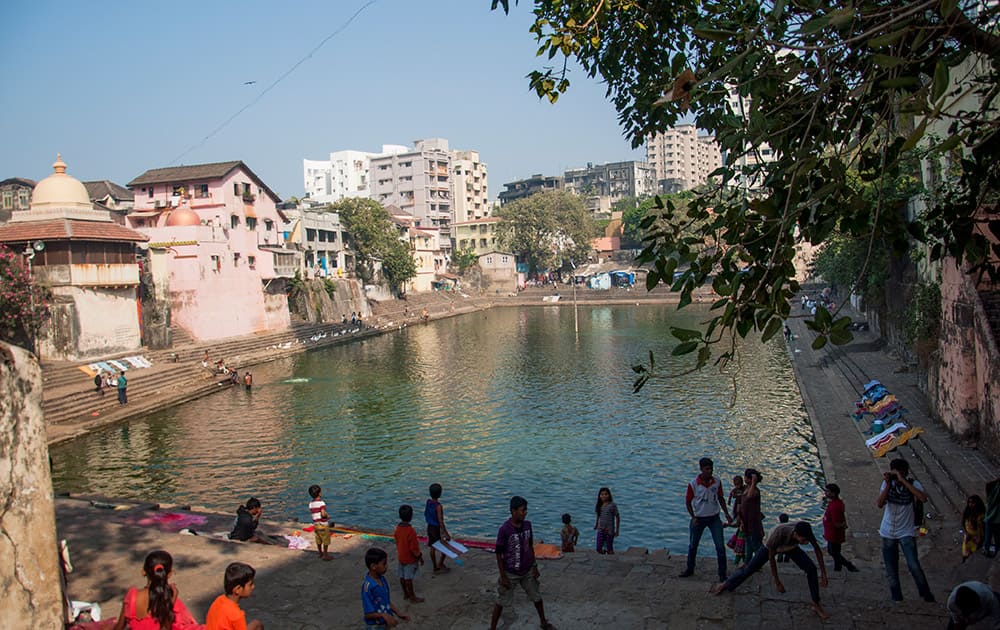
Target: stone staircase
69	395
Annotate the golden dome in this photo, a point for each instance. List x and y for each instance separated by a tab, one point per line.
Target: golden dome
60	190
183	216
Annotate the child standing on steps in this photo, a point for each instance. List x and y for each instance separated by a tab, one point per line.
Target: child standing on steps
408	553
973	526
434	515
320	522
835	528
608	521
569	534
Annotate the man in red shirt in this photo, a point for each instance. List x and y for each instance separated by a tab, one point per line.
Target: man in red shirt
835	528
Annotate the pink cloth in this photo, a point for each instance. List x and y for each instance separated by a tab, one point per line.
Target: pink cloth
172	521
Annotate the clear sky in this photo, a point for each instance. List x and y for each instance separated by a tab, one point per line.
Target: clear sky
121	87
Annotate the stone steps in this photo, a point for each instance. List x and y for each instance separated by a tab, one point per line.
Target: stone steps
184	379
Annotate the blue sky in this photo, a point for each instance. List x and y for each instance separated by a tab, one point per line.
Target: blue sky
120	87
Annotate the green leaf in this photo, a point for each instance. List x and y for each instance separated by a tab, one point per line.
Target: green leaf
899	82
915	136
652	278
685	348
885	40
771	329
714	34
815	24
685	334
685	300
819	342
841	337
948	145
940	84
704	354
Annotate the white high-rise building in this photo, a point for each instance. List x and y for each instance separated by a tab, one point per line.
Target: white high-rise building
344	175
682	158
471	187
419	182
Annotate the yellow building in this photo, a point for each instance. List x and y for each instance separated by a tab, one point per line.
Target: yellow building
478	235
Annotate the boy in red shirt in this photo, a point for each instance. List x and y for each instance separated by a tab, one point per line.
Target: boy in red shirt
408	552
835	528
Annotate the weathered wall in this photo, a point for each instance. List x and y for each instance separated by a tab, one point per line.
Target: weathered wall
90	322
226	306
30	591
314	303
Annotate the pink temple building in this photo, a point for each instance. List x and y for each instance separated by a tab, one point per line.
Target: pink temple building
216	252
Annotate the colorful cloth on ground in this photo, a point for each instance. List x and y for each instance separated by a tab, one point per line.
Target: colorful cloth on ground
172	521
225	614
897	441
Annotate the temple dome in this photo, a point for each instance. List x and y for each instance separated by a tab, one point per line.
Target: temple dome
60	190
183	216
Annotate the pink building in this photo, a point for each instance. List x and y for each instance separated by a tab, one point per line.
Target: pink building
216	253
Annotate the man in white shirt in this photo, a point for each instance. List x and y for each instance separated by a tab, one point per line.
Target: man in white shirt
898	496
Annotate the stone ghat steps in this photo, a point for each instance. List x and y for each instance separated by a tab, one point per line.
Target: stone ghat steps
58	375
185	379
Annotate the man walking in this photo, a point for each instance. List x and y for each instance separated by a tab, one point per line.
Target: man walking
704	500
898	495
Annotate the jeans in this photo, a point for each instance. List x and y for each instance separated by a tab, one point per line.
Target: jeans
122	396
890	556
697	527
753	543
760	558
834	549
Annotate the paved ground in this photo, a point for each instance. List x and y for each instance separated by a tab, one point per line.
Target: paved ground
635	589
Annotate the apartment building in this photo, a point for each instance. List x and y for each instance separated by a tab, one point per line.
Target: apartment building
604	184
681	158
471	187
478	235
344	175
526	187
419	182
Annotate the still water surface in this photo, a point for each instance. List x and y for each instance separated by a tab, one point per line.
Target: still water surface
488	404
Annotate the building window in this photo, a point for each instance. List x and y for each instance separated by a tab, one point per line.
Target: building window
216	264
201	191
236	189
236	259
24	201
8	199
234	221
268	224
150	190
251	223
252	261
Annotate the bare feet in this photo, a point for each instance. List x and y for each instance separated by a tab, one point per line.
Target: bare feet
718	588
442	569
818	609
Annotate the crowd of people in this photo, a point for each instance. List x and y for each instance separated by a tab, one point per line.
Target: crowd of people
900	496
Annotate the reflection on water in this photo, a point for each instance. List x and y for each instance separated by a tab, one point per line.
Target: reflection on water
489	405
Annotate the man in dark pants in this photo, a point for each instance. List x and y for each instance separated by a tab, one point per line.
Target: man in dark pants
704	501
784	538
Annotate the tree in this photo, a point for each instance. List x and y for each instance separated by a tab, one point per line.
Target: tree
24	306
828	86
463	259
547	228
632	231
375	240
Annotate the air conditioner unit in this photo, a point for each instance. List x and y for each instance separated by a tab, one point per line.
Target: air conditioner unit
159	203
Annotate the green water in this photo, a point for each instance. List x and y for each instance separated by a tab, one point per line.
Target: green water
489	404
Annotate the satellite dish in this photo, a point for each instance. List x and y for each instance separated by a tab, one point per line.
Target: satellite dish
38	246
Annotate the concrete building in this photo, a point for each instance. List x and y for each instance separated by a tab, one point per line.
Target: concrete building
499	271
604	184
471	187
478	235
15	195
424	247
319	236
88	262
682	158
216	248
418	182
344	175
523	188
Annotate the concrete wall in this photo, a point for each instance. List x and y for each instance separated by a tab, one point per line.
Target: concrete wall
226	306
963	383
315	305
30	590
91	322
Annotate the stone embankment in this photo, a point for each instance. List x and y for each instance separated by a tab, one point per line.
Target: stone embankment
637	588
